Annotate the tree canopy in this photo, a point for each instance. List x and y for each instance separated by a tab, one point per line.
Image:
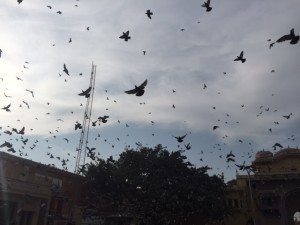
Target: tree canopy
154	186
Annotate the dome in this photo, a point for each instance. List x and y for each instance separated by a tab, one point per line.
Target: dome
263	154
288	151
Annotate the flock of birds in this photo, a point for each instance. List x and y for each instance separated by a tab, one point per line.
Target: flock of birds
137	91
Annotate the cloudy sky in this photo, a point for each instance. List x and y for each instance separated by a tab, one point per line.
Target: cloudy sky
175	59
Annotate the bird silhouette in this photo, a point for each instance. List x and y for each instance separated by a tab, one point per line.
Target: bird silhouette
277	145
125	36
287	116
7	108
138	90
188	146
20	1
78	126
240	57
86	93
103	119
289	37
26	104
6	144
149	13
207	6
180	138
66	70
215	127
70	40
31	92
49	6
59	12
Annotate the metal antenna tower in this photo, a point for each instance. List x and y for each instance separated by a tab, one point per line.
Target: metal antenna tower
84	135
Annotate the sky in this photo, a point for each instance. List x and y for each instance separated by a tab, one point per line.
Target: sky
244	103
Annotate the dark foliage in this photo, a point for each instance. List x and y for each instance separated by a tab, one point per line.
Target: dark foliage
154	186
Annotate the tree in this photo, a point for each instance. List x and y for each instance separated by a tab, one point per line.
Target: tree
154	186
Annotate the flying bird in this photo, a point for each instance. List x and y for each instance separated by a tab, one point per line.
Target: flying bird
86	93
240	57
6	144
215	127
188	146
26	104
287	116
70	40
20	1
138	90
66	70
207	6
289	37
6	108
30	92
125	36
49	6
149	13
180	138
103	119
277	145
59	12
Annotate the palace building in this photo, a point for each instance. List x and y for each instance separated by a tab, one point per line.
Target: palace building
35	194
271	194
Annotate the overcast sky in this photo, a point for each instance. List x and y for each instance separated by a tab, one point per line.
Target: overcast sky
175	60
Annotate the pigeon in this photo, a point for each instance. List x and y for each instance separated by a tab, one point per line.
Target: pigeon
149	13
6	96
277	145
0	57
30	92
125	36
215	127
22	131
49	6
103	119
138	90
6	144
26	104
86	93
6	108
78	126
180	138
289	37
88	28
230	155
207	6
70	40
20	1
59	12
287	116
66	70
188	146
144	52
240	57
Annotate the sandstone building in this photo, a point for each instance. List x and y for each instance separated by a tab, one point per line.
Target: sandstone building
35	194
270	195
